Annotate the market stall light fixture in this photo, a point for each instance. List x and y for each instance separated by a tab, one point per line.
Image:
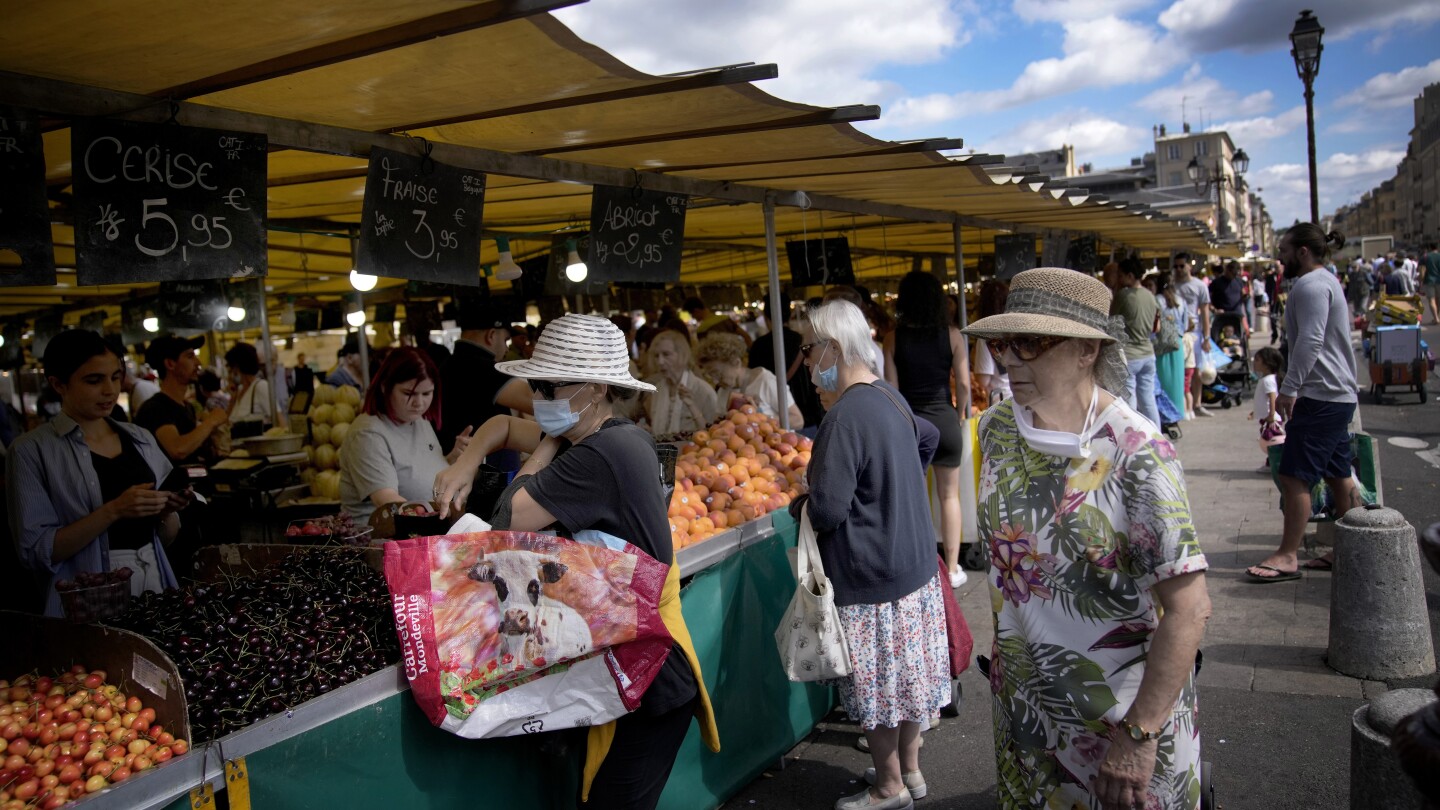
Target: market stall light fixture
575	269
356	317
364	282
507	269
236	311
151	324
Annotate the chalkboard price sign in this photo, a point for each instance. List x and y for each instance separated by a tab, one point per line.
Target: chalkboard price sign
1081	254
420	220
820	261
1013	253
635	235
24	213
162	202
192	306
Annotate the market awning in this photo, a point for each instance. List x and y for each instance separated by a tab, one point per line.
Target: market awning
504	78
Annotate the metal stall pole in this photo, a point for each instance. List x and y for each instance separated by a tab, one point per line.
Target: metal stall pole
364	345
782	386
964	310
281	420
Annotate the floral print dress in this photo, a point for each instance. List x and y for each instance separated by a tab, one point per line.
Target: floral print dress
1075	547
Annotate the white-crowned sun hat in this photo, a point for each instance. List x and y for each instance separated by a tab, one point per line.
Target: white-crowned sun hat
578	348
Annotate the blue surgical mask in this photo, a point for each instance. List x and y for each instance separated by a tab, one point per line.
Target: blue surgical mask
828	378
555	417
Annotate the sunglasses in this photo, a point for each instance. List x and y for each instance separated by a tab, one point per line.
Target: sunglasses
806	348
1025	347
547	388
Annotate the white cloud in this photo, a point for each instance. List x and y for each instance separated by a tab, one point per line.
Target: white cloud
1217	25
1197	94
1090	134
1393	89
1091	59
1071	10
1262	128
1342	178
827	51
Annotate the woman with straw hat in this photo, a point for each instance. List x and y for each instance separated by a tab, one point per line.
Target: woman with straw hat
593	470
1099	586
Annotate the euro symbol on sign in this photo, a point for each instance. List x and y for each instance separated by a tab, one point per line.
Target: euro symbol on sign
459	216
665	236
230	199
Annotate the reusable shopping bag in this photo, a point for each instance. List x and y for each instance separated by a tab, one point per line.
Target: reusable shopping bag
810	639
507	633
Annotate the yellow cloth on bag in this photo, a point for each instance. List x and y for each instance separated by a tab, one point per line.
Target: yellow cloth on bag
600	738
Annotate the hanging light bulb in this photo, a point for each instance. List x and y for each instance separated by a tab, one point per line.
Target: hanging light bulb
236	312
364	282
507	269
575	269
356	316
2	341
151	324
287	314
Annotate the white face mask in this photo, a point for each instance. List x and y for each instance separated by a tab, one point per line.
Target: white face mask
1058	442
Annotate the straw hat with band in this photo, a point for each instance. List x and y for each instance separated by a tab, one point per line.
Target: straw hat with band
1064	303
578	348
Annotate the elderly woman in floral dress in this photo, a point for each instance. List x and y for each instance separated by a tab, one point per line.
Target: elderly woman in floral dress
1098	582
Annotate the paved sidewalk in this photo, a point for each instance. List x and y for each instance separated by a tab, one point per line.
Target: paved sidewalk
1275	719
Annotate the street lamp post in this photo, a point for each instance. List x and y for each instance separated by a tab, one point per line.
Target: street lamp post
1305	39
1205	178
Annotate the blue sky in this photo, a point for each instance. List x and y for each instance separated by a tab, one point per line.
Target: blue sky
1013	76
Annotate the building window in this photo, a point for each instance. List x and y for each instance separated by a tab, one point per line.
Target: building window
1174	151
1174	178
1202	148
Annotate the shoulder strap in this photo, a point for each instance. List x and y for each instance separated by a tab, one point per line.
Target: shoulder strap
897	405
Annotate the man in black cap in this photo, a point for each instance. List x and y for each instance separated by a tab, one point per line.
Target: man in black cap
469	384
184	437
348	369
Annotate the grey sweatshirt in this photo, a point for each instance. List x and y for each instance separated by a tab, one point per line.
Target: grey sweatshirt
1317	326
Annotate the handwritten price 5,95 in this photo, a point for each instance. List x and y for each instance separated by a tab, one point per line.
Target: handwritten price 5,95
159	234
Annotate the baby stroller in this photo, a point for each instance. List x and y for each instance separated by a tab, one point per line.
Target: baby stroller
1232	362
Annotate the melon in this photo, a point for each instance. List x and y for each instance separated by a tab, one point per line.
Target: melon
307	475
338	433
320	432
325	457
342	414
322	414
348	395
327	485
309	454
324	394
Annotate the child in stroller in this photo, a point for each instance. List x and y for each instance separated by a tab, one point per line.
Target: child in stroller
1232	362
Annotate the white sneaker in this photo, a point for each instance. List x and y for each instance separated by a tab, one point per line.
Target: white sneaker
863	799
914	782
1203	411
958	578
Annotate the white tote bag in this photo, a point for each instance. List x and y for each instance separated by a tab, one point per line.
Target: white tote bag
810	640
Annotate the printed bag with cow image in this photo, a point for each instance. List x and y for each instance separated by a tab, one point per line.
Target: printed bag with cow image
507	633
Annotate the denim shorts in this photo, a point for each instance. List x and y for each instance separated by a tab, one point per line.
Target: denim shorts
1317	441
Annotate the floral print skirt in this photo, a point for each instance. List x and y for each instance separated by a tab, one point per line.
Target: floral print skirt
899	658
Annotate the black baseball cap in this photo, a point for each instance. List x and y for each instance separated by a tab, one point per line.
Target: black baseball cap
479	314
169	347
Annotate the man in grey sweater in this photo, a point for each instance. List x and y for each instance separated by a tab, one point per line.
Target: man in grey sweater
1317	397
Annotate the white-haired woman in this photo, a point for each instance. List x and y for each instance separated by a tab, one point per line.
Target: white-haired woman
573	481
682	402
868	507
1099	581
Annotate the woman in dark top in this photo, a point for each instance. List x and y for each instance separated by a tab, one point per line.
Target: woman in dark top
82	492
595	471
872	523
922	357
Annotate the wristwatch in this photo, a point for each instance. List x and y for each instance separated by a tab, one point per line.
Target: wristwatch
1137	733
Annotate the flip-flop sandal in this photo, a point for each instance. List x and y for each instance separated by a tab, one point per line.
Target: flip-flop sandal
1280	576
1319	564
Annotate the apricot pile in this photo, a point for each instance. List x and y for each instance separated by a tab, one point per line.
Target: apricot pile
740	468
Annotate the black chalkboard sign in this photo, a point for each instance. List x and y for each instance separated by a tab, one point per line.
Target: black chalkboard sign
24	211
190	306
820	261
162	202
1080	255
385	313
420	220
556	282
1013	253
307	320
132	319
46	327
635	235
248	294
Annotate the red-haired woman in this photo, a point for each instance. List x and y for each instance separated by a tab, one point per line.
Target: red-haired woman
391	454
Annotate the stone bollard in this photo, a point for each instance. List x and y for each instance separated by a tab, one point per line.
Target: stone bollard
1379	626
1377	782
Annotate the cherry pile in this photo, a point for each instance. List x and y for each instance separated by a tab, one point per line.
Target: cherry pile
251	647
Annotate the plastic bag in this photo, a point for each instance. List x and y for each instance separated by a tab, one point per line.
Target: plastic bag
506	633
